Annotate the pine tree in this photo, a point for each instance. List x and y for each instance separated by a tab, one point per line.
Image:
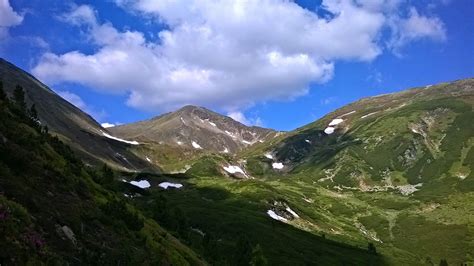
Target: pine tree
372	248
33	112
19	97
3	95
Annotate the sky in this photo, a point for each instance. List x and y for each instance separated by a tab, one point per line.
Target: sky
272	63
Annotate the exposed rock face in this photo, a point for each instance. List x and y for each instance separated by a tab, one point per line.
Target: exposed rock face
196	128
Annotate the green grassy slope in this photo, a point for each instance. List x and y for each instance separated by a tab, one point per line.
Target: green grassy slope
397	172
216	213
54	210
402	164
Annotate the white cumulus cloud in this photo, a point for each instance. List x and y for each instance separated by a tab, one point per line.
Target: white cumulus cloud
415	27
8	18
225	54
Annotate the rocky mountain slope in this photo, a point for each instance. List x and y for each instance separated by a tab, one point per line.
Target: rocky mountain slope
189	133
195	128
92	142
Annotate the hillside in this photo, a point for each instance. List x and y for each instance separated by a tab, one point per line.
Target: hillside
396	169
69	123
55	210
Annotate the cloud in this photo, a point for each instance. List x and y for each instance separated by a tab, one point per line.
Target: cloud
226	55
240	117
80	15
8	18
415	27
77	101
328	100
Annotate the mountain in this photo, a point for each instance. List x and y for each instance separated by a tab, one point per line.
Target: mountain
386	180
56	211
396	169
191	132
412	136
92	142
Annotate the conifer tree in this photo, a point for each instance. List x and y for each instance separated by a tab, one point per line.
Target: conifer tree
19	97
33	112
3	95
372	248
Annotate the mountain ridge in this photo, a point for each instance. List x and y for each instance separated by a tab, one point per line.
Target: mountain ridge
69	122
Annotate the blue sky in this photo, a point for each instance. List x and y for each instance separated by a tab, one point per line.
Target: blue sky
274	63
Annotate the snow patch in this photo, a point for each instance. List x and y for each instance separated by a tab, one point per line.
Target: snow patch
367	115
288	209
308	200
336	122
119	139
225	150
346	114
246	142
107	125
148	159
232	135
329	130
277	165
166	185
212	124
195	145
269	156
275	216
179	143
141	183
307	141
182	120
233	169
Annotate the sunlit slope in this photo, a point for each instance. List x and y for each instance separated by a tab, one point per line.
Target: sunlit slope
409	138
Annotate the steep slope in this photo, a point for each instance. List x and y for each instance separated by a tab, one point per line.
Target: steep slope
189	133
394	169
72	125
417	135
56	211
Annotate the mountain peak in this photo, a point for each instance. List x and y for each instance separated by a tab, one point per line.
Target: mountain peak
195	129
190	107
